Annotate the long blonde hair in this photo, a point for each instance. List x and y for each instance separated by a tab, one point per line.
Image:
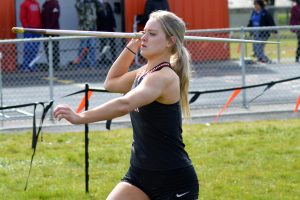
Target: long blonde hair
173	26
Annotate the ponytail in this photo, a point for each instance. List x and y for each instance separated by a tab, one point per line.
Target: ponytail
180	60
181	63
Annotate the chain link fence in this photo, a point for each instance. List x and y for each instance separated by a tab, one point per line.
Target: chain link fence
48	68
227	65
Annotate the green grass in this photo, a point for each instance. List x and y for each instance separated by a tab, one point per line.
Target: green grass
288	46
282	18
251	160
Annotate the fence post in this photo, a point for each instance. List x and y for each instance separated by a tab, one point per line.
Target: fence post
278	46
51	77
242	64
1	94
86	141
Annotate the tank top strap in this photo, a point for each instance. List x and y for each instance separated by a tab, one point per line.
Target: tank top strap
159	67
141	75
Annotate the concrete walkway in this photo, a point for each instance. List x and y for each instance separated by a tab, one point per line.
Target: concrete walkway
199	116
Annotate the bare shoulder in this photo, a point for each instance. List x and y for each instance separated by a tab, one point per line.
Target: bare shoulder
167	74
170	85
163	78
163	84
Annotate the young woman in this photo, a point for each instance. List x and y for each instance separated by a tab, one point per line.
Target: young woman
160	167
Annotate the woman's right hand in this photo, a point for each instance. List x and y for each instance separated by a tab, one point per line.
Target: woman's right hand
134	44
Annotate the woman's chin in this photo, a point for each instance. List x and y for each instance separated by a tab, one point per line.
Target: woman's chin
144	54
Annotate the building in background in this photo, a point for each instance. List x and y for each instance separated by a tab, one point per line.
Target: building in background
129	8
7	51
232	4
204	14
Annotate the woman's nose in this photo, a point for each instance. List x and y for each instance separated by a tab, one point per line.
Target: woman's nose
144	37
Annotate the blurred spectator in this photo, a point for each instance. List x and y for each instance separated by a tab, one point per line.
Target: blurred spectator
295	20
106	22
50	20
153	5
271	6
87	18
30	17
260	17
150	6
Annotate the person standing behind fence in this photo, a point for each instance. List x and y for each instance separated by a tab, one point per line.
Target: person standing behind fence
106	22
260	17
295	20
30	17
50	20
87	16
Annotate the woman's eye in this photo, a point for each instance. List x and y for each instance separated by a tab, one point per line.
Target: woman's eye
152	34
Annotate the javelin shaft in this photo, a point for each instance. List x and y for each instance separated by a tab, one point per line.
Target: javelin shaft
214	39
102	34
77	33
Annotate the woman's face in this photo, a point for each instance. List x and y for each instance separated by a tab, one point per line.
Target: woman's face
154	41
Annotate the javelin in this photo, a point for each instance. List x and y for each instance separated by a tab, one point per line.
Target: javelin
102	34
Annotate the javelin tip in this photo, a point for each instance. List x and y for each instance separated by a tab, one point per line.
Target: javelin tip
17	30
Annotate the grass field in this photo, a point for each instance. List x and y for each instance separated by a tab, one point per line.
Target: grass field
250	160
287	47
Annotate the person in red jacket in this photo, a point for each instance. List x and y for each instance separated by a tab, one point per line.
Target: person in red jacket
30	16
50	20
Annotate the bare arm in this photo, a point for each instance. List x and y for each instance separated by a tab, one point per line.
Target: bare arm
118	78
151	89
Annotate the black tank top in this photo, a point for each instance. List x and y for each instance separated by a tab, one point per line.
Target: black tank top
157	134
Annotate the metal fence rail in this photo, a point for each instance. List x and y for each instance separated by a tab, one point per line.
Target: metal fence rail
62	65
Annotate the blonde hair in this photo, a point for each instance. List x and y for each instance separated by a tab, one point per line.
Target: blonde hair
173	26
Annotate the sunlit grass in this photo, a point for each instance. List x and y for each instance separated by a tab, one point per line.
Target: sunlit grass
286	49
251	160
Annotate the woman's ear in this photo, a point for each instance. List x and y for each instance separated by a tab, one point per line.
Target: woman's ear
172	41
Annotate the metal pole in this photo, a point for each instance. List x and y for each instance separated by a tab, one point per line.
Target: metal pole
51	76
242	63
278	47
1	94
127	35
86	141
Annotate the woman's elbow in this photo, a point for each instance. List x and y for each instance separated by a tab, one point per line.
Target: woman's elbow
107	85
124	107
